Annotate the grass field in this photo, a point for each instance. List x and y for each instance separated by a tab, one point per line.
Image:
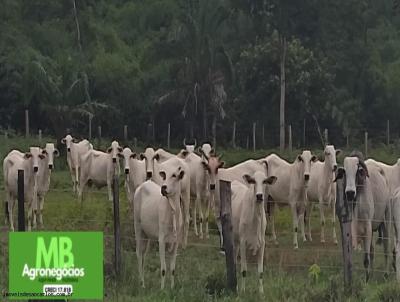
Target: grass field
201	268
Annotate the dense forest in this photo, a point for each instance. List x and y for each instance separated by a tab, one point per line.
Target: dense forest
201	65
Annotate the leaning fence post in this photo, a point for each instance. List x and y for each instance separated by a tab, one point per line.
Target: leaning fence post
366	143
226	216
26	122
40	136
326	136
117	239
125	133
344	214
254	137
21	209
169	136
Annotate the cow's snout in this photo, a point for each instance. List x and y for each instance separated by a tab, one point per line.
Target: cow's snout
68	149
334	168
126	171
306	177
114	160
259	197
350	195
164	190
149	174
51	166
35	169
212	187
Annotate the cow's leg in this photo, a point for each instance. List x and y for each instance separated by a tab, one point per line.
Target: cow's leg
196	232
272	221
77	170
295	225
11	204
82	183
186	216
367	250
173	264
333	211
260	267
30	211
322	220
208	198
301	216
161	248
41	204
396	225
109	188
243	263
308	219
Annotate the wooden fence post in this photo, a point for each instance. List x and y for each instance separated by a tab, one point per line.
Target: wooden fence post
226	215
125	133
169	136
290	139
326	136
366	144
117	239
21	209
40	136
234	135
254	137
344	214
26	122
387	132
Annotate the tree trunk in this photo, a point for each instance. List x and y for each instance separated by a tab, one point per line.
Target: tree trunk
78	31
283	92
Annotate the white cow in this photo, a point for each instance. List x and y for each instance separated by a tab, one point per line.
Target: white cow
206	150
248	220
99	168
392	173
75	151
321	189
46	166
154	165
135	173
198	186
396	223
216	172
29	163
158	216
290	188
366	187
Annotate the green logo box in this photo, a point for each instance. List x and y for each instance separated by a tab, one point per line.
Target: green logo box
55	265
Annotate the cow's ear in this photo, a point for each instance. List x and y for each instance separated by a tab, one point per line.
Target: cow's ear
74	140
181	174
338	151
63	141
141	156
340	174
270	180
120	155
314	158
109	150
56	153
221	164
133	155
163	175
27	155
212	151
250	180
156	157
205	166
120	149
41	156
299	158
184	153
44	151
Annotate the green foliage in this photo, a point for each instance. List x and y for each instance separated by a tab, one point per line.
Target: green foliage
314	272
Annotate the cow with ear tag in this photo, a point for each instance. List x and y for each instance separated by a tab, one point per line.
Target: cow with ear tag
29	162
366	187
249	221
75	150
45	169
99	168
321	189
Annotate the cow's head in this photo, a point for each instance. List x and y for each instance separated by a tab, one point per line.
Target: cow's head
190	147
330	156
206	151
68	140
211	165
149	156
170	185
259	181
34	156
114	150
304	160
354	172
127	154
50	151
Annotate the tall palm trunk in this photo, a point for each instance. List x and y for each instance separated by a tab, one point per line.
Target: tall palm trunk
282	40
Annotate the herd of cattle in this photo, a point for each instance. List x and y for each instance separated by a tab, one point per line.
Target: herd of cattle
159	186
